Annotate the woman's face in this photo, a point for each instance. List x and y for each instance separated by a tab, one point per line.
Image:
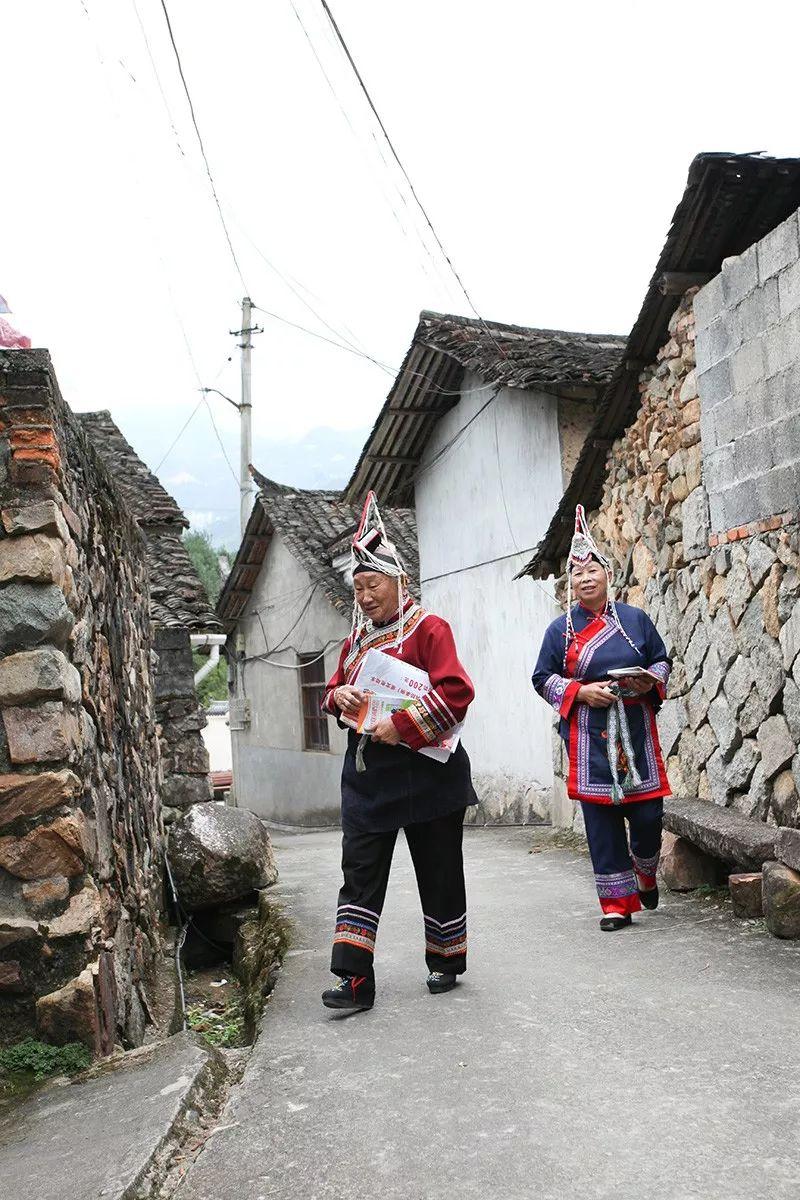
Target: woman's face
590	584
376	595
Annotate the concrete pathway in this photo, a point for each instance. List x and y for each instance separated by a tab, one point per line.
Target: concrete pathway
660	1063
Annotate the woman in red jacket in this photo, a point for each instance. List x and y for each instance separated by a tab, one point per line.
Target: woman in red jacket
386	786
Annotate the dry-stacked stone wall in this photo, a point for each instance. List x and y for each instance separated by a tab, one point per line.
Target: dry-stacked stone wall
80	825
186	778
728	612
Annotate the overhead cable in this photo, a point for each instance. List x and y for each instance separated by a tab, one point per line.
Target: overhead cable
202	147
406	176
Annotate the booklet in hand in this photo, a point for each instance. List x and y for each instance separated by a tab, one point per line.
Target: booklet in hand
631	673
390	684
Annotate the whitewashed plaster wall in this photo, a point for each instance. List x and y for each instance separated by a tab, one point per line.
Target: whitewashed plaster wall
488	501
273	775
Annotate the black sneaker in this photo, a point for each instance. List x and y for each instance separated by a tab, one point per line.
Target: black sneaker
438	981
649	898
354	993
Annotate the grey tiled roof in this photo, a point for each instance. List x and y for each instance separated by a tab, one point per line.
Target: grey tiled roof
316	527
518	356
444	347
178	599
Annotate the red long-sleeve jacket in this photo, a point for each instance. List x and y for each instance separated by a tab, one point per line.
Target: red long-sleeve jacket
427	643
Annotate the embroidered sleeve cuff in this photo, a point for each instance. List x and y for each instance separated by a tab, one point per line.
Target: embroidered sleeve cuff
414	726
561	693
662	672
329	704
570	696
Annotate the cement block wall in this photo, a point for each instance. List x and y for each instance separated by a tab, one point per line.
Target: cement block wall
748	377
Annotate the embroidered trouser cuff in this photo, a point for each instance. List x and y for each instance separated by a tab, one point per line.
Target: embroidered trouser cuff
619	871
436	852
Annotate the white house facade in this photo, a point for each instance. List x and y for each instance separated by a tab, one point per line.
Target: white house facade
481	432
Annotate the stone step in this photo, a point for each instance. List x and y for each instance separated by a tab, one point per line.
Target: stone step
111	1134
721	832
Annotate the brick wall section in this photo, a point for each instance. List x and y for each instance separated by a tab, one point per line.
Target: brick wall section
748	361
728	613
80	824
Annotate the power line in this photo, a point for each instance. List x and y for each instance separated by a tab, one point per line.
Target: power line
357	139
322	338
183	429
406	176
221	443
202	148
167	108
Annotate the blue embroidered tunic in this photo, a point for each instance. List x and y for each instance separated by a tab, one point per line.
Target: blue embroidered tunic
598	647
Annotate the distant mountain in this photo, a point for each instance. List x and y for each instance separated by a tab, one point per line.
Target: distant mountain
196	473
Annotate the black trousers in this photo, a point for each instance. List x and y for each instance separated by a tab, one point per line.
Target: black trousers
436	852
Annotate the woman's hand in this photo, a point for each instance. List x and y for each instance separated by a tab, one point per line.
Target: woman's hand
386	732
638	684
348	700
596	695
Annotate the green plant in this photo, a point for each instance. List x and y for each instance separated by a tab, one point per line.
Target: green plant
206	562
224	1028
215	684
42	1060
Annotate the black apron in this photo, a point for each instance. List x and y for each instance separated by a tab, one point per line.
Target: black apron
401	787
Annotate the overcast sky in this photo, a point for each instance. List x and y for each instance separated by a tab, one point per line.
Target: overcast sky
550	144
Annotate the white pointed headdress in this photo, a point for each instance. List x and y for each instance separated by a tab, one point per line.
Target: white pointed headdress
583	548
372	551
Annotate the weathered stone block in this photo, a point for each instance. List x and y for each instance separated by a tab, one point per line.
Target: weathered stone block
754	712
760	559
739	770
56	849
44	517
789	289
28	795
82	913
721	832
791	708
767	669
781	899
183	791
671	723
739	276
70	1014
219	854
18	929
778	248
31	614
787	848
708	303
683	867
38	674
43	896
745	892
696	520
784	805
35	558
784	438
11	977
49	732
722	720
776	745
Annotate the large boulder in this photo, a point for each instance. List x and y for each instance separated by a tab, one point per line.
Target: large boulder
218	854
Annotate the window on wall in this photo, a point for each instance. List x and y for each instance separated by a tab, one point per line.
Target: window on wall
312	692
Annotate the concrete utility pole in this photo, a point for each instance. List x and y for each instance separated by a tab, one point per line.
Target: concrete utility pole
246	413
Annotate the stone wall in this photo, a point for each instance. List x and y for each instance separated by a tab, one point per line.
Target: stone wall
80	824
726	605
184	758
748	359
